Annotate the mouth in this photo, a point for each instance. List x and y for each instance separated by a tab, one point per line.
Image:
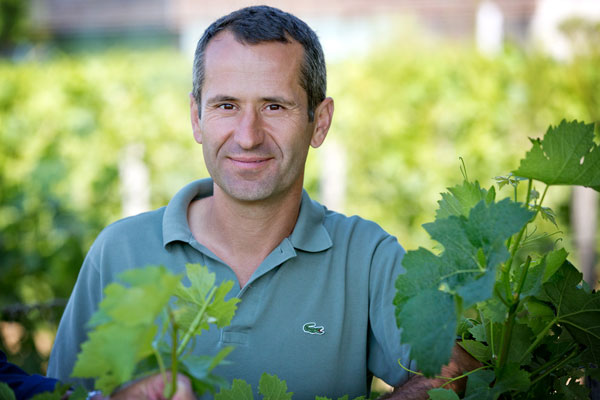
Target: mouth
249	162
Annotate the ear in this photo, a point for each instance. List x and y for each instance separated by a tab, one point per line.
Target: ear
322	122
195	118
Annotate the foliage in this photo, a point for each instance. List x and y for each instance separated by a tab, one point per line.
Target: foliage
130	313
65	120
528	319
269	386
13	23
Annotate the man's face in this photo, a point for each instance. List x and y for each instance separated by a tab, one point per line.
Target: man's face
254	126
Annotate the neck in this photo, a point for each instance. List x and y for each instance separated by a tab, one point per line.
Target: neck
242	234
253	222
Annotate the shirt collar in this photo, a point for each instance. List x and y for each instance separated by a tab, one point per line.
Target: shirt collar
309	234
175	224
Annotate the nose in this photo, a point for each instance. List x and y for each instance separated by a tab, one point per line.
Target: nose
248	132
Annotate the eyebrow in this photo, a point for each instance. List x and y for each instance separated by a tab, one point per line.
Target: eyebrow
220	98
275	99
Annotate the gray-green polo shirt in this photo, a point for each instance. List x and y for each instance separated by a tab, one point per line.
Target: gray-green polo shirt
335	273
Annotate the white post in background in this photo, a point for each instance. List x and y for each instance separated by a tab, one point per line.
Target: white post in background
135	180
584	217
333	175
489	28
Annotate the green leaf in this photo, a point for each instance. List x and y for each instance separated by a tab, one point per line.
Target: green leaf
521	338
464	325
567	155
462	198
200	366
193	299
539	314
220	310
431	348
485	230
512	378
129	314
554	260
201	283
111	353
572	390
59	392
6	392
509	179
478	332
476	349
442	394
493	310
548	214
589	358
466	269
240	390
478	386
578	311
272	388
151	288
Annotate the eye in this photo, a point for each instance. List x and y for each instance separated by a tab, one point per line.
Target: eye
226	106
274	107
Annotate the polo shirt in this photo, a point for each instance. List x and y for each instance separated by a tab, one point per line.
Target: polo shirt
318	311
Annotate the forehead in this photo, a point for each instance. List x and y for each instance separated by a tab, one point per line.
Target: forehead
228	60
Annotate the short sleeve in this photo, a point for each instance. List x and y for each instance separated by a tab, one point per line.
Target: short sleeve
384	342
72	331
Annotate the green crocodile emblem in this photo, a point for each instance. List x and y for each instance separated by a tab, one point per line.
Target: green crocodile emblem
313	329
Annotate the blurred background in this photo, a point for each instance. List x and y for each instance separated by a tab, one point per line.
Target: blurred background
94	121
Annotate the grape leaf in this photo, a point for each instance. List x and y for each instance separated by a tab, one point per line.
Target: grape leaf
577	310
6	392
111	353
193	299
567	155
442	394
272	388
478	332
59	393
431	348
462	198
200	366
476	349
493	309
540	271
151	288
511	377
473	247
129	314
240	390
478	386
539	314
221	310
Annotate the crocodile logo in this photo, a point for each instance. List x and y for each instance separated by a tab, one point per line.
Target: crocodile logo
313	329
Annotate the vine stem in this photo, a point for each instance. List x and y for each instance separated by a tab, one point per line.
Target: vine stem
173	383
194	326
508	327
557	366
538	339
515	245
450	380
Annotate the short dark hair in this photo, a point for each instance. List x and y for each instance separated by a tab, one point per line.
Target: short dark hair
257	24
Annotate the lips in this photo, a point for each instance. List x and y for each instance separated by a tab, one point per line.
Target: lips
249	162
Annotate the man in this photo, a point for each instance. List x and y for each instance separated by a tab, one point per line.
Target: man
316	287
